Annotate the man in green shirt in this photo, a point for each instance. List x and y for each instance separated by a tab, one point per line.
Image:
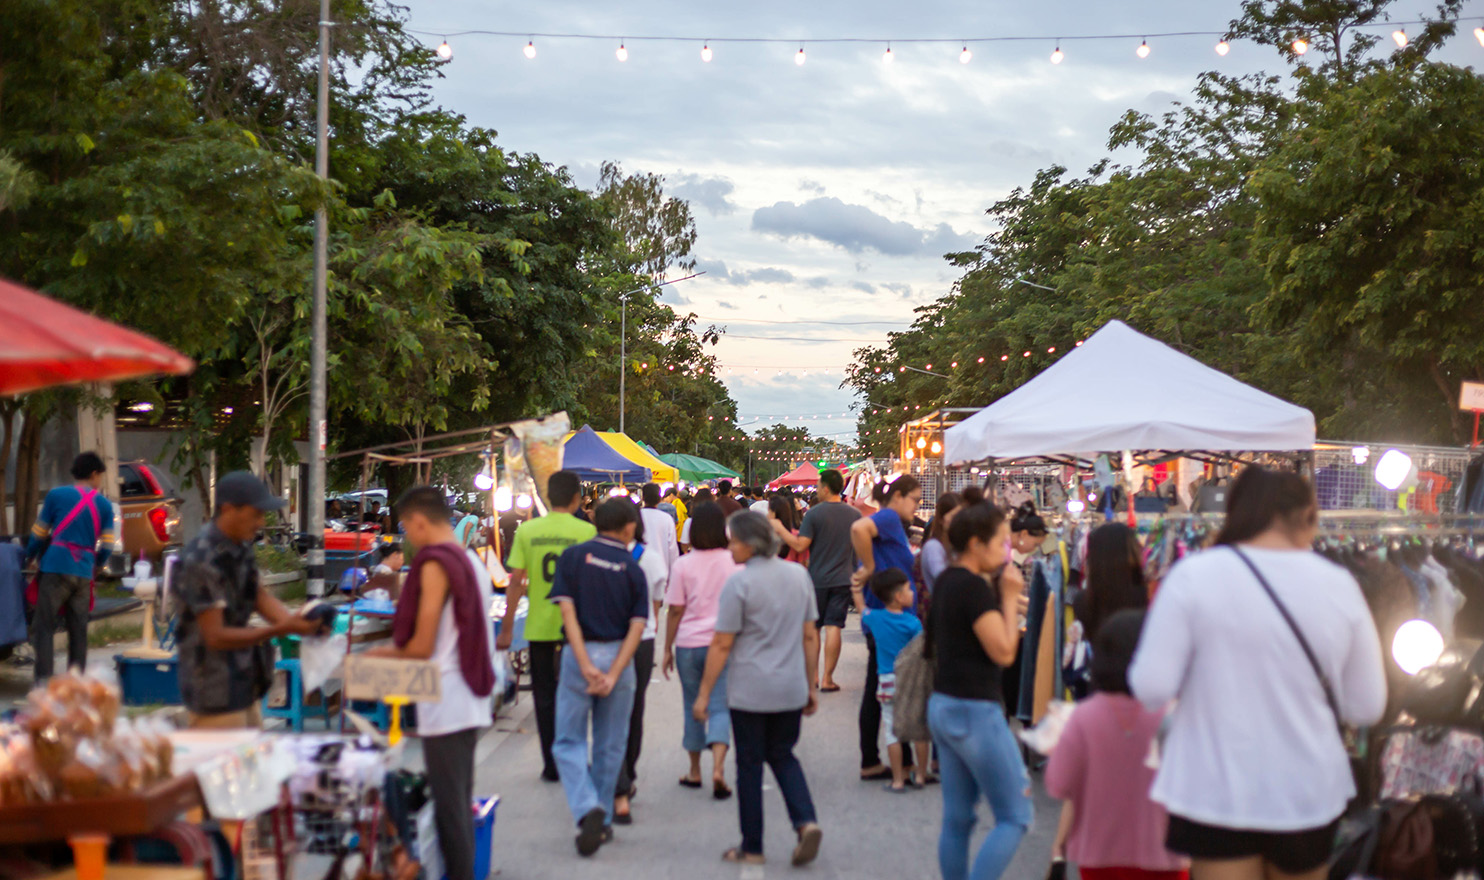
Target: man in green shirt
532	564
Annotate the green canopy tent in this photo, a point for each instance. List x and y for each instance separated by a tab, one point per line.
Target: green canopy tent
694	469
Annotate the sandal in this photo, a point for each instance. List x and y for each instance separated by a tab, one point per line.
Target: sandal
720	790
891	787
874	776
687	782
736	856
830	690
808	849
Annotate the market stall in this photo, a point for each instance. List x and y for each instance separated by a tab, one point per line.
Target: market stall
625	445
695	469
594	461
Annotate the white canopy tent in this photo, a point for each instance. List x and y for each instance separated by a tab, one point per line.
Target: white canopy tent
1121	390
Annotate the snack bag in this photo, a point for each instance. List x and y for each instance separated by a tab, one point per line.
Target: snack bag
542	446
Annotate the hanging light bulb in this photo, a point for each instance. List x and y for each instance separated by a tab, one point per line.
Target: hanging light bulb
1222	48
799	58
445	51
623	53
1057	56
1004	357
1400	36
1143	50
1479	35
1300	46
530	49
981	360
965	56
921	443
888	57
706	53
937	448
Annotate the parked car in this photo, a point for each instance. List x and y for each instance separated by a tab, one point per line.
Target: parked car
149	517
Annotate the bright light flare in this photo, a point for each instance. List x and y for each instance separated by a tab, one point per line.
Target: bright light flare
1057	55
1416	646
799	58
1300	46
706	54
1400	37
1222	48
483	481
1143	50
965	56
622	54
530	50
445	51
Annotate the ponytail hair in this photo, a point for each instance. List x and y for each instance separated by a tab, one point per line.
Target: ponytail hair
1027	520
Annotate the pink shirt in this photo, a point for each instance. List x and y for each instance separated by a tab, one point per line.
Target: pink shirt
696	582
1098	765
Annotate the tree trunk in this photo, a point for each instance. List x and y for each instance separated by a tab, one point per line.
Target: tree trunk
1450	395
27	476
7	433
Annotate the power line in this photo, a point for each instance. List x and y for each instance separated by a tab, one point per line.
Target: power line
827	323
800	338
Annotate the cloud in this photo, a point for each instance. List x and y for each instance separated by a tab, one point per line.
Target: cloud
883	198
726	305
900	289
717	270
812	186
711	193
855	228
863	287
817	281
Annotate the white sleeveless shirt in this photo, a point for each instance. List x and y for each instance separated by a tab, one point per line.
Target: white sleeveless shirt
459	709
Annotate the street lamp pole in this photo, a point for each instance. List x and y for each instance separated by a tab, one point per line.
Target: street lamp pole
319	333
623	338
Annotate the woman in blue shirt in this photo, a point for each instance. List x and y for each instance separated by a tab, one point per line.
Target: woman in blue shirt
880	542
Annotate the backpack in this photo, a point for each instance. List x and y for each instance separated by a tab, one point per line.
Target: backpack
914	672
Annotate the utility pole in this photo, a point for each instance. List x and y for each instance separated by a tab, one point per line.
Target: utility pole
623	355
319	329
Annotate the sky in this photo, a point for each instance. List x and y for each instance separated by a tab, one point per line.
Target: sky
825	195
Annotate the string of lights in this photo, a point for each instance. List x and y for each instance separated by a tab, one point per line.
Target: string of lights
1300	43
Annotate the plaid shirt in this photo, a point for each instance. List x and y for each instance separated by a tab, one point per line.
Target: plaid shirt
217	572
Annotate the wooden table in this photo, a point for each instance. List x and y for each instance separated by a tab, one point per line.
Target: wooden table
138	872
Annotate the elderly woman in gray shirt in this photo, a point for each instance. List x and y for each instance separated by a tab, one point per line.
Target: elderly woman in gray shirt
765	624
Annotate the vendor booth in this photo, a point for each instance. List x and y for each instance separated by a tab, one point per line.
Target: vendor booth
594	461
695	469
806	474
625	445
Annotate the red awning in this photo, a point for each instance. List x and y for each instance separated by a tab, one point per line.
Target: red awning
805	474
45	343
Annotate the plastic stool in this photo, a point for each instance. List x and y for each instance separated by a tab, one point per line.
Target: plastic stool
296	711
375	711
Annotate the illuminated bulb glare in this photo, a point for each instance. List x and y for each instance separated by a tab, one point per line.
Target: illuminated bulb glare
921	443
1075	506
706	54
1057	55
1004	357
523	501
1222	48
1393	469
1360	454
1416	646
1479	35
622	55
981	360
483	482
1400	36
504	500
887	56
911	455
1143	50
965	56
1300	46
445	51
937	448
530	50
799	58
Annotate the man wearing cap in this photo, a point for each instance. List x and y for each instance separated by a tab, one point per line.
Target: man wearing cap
226	665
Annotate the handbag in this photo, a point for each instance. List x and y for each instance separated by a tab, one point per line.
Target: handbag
914	684
1427	838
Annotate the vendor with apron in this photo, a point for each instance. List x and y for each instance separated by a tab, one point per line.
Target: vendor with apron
225	664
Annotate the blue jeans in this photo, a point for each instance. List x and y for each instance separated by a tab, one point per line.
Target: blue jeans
690	665
768	738
591	787
977	756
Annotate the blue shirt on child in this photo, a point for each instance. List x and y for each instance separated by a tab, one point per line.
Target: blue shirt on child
892	631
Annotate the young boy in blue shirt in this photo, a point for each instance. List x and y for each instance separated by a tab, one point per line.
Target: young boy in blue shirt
893	627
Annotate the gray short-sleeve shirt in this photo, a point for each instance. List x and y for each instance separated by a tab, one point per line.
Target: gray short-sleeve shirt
831	556
766	605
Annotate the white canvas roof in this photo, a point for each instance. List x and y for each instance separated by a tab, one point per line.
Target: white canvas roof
1122	390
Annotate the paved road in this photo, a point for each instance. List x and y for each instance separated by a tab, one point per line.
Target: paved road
681	833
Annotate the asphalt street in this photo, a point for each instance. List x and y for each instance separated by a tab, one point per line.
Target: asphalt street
681	833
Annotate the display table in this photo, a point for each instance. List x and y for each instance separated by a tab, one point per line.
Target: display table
127	815
138	872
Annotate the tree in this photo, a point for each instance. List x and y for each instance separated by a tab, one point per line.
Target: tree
659	230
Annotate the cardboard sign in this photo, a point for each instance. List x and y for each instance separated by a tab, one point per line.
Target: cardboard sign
373	678
1472	397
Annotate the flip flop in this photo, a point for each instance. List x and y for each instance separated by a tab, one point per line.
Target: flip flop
883	773
719	790
690	783
829	690
736	856
808	849
906	787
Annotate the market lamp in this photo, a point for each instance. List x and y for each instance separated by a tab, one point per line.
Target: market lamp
523	501
937	448
484	482
1075	506
921	442
1416	646
504	500
1393	469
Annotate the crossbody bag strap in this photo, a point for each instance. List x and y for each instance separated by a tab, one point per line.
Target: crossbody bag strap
1329	691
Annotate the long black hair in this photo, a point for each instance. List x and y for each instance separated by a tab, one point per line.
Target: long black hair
1027	520
980	521
1115	576
1260	498
1113	650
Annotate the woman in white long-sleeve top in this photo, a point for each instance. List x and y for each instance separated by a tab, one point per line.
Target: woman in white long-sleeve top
1254	772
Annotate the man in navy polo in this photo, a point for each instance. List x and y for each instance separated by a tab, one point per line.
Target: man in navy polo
604	598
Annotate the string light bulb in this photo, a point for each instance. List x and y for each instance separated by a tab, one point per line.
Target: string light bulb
1300	46
799	57
1222	48
888	57
965	56
1479	35
1143	50
1400	36
1057	55
530	49
921	443
623	52
706	53
445	51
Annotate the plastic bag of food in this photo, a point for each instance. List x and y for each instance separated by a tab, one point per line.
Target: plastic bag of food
541	443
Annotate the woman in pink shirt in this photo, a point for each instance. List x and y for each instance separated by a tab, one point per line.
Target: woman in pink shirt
1110	828
695	588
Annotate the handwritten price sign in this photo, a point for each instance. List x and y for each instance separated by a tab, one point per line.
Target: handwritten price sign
373	678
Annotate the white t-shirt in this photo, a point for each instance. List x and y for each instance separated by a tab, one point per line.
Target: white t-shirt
658	576
659	533
459	709
685	532
1253	743
759	507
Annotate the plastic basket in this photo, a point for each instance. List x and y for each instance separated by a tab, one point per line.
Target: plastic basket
147	682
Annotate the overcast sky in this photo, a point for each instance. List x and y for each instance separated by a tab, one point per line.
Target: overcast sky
826	192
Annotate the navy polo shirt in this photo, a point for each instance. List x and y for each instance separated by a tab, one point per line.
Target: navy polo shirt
605	585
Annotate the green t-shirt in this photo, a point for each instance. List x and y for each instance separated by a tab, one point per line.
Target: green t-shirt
537	546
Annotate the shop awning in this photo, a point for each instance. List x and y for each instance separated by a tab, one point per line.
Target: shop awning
1123	390
624	445
805	474
45	343
695	469
585	454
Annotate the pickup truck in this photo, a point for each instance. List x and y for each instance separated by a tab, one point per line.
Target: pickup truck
149	517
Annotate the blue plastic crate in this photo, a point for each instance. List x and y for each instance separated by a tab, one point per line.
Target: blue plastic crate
148	682
484	835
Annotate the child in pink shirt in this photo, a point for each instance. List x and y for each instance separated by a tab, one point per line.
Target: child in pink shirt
1110	828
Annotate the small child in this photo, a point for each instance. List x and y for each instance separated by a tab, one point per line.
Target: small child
1109	827
893	627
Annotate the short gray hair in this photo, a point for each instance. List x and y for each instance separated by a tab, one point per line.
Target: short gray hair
754	530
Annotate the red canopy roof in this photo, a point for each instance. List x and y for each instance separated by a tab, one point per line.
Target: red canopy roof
805	474
44	343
